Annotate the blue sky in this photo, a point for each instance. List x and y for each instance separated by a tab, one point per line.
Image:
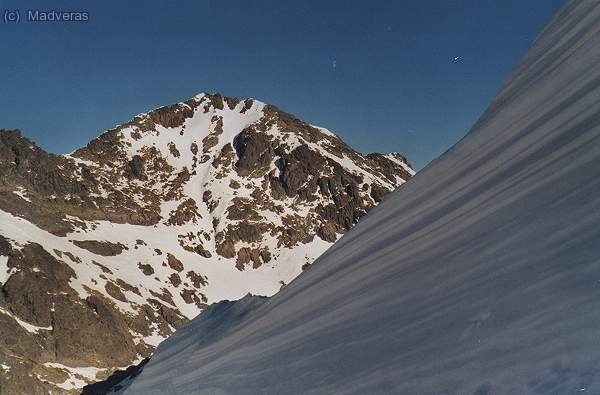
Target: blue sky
381	74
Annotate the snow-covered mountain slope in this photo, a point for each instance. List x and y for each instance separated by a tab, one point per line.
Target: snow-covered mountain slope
479	276
104	252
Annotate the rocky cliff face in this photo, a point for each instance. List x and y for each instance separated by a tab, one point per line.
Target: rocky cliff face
106	251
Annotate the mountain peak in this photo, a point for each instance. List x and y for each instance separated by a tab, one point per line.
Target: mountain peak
183	206
10	133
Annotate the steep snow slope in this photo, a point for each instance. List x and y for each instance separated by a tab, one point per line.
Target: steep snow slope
479	276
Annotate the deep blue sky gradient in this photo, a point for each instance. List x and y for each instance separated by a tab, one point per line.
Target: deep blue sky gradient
380	74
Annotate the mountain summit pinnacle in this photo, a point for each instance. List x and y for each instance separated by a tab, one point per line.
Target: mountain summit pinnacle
106	251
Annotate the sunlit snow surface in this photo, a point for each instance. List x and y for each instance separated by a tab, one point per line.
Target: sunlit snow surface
479	276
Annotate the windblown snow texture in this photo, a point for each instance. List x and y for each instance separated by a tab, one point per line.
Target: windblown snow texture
479	276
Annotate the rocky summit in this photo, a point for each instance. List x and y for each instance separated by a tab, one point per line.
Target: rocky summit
106	251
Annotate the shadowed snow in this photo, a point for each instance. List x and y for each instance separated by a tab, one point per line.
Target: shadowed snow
479	276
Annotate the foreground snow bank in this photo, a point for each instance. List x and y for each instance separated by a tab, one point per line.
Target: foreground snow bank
479	276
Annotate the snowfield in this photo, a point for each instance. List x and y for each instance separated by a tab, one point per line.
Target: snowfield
480	276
